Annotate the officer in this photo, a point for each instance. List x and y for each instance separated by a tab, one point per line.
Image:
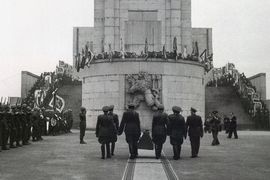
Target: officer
82	124
176	131
114	118
105	130
159	129
195	131
226	122
131	125
233	127
215	124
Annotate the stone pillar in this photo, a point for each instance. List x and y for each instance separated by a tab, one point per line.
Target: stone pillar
109	24
186	31
98	25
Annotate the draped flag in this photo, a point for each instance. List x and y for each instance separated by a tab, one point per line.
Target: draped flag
164	52
175	47
146	49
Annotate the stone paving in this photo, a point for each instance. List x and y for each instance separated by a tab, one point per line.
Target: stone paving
62	157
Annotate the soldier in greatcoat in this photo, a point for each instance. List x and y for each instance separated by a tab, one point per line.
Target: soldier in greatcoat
159	130
115	120
105	132
131	125
215	127
176	131
195	131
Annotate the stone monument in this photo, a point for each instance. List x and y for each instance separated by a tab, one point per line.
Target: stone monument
132	59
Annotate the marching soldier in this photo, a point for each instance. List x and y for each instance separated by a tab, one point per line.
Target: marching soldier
13	116
195	132
233	127
159	130
82	124
114	118
131	125
176	130
215	125
105	130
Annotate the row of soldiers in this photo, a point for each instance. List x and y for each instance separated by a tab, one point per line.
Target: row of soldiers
163	125
18	124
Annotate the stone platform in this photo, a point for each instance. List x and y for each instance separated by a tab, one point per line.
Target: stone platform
178	83
61	157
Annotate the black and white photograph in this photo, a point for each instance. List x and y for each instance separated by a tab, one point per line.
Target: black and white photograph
134	90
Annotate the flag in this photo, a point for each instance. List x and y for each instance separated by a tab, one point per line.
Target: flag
175	47
203	56
146	47
122	49
164	52
184	54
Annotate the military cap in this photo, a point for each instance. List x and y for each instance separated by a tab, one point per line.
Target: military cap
160	107
105	108
83	108
131	105
193	109
215	112
111	107
176	109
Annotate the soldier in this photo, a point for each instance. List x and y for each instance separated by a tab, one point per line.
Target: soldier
70	120
28	124
25	125
195	131
13	116
35	121
5	128
215	125
82	124
115	120
40	125
19	117
226	122
176	131
233	127
159	130
131	125
105	130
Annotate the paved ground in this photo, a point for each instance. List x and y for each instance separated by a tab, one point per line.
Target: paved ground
62	157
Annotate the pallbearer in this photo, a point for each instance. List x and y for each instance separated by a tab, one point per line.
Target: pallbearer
114	119
195	132
177	131
104	132
131	125
159	130
82	124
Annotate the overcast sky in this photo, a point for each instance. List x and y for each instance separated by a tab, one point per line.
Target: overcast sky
35	34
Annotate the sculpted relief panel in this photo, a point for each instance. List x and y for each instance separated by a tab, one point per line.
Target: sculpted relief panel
143	87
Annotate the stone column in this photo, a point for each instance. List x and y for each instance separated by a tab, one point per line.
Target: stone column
186	31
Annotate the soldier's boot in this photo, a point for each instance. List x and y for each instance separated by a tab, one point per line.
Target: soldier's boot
108	150
156	151
131	151
11	143
18	144
179	151
175	152
102	151
135	146
112	148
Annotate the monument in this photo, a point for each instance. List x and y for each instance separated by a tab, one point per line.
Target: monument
145	52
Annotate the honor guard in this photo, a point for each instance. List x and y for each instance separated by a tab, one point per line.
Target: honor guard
195	132
130	124
115	120
159	130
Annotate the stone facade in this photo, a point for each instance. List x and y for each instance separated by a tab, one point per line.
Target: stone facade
27	81
104	84
259	81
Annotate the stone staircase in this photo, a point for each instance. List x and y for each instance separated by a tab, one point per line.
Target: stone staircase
225	100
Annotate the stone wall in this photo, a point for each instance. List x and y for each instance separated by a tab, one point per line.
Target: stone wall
259	81
27	81
204	38
104	84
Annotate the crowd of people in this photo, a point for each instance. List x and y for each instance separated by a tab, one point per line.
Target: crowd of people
20	123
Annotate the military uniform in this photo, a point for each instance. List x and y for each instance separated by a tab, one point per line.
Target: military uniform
226	122
105	131
5	129
195	132
215	124
159	130
114	118
82	125
13	118
177	131
35	122
130	124
233	127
